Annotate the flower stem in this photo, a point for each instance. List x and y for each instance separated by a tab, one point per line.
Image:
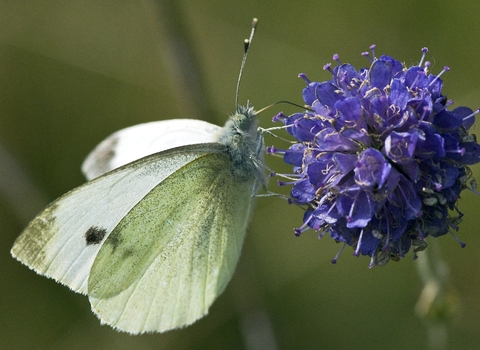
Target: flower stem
437	303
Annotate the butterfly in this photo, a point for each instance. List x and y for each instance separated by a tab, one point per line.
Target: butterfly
154	236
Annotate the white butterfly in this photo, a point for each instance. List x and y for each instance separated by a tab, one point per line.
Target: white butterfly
154	237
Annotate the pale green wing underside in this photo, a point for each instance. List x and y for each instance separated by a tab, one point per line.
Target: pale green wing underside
54	244
173	254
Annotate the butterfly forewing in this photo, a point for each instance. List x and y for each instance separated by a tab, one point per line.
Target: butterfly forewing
164	265
63	240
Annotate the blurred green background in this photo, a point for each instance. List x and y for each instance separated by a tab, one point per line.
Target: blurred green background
73	72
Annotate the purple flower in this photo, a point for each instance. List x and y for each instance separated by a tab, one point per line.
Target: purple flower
379	161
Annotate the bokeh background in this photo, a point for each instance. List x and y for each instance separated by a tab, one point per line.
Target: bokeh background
73	72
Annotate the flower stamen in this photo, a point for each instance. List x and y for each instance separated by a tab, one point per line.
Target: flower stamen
335	259
359	244
445	69
424	53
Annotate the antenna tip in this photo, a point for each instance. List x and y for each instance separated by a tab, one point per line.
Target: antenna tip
246	45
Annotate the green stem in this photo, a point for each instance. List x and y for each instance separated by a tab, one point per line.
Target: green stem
181	61
436	302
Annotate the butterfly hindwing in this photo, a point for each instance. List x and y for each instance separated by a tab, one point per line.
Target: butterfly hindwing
166	262
64	239
138	141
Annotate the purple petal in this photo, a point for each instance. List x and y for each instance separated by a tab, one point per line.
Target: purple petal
303	191
372	169
351	110
328	140
294	155
327	95
380	74
463	112
399	94
447	121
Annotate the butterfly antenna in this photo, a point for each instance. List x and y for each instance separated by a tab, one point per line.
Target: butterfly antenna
246	44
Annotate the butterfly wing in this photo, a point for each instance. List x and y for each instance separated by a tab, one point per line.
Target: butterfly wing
135	142
174	253
63	240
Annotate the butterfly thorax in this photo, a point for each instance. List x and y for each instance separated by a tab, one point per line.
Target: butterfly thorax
243	144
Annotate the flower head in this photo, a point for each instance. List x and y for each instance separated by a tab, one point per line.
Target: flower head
379	160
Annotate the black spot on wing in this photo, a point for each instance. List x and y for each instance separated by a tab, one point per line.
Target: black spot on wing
94	235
